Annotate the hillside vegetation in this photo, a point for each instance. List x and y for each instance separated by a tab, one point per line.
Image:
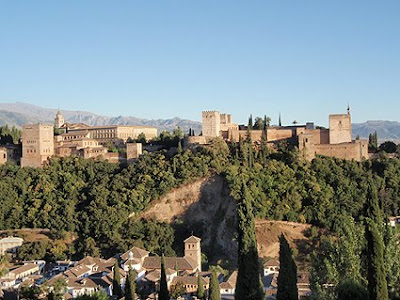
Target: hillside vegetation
110	207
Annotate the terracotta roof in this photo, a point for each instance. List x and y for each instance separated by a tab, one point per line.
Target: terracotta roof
154	262
188	280
230	283
133	261
104	281
272	263
24	268
77	271
153	276
82	283
54	279
136	252
192	239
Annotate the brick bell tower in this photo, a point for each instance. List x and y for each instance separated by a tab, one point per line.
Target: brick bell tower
193	250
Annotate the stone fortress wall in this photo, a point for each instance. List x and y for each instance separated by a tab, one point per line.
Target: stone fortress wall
335	141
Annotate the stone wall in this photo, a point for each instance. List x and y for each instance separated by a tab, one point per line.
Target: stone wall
356	150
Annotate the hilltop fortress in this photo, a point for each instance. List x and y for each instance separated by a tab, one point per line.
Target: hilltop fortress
311	141
39	142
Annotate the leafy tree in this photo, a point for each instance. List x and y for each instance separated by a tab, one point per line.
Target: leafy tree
248	285
90	248
116	280
287	278
351	290
258	124
373	142
33	250
163	294
30	292
3	265
177	290
95	296
141	138
58	290
214	292
388	147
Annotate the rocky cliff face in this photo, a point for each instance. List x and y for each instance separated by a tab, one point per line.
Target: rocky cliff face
205	208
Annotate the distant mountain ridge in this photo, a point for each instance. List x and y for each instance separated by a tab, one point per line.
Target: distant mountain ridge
386	130
20	113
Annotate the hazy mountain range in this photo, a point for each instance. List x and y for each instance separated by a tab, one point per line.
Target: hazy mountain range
20	113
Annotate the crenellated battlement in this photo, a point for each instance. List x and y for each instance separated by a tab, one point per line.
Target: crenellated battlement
210	113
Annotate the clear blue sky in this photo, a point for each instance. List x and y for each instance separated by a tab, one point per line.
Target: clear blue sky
159	59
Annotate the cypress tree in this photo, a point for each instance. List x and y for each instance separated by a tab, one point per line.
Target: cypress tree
214	293
280	120
376	275
250	125
372	209
248	285
130	286
265	123
117	281
200	287
287	278
264	149
163	294
179	147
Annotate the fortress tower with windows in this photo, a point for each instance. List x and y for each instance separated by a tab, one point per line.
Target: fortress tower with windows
37	144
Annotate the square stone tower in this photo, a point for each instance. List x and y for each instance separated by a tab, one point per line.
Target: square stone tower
211	123
133	151
37	144
340	129
193	250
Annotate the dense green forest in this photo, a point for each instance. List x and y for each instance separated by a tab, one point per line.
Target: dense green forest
93	199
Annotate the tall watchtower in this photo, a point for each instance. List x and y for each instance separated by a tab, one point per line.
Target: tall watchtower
211	123
59	120
37	144
193	250
340	128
